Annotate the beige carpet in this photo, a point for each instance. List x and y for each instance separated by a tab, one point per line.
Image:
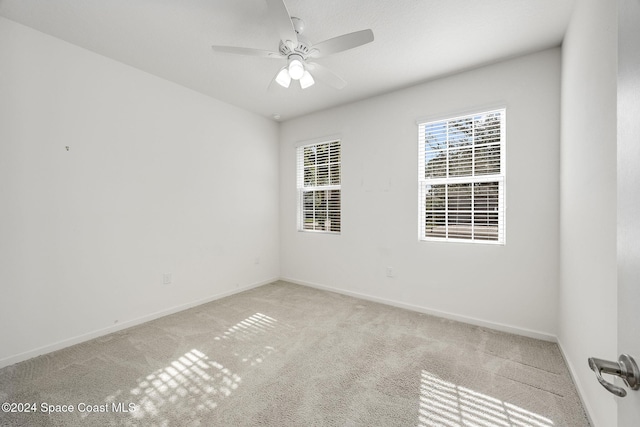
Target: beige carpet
287	355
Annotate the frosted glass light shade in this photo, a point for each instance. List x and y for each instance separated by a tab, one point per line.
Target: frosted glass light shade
306	80
283	78
296	69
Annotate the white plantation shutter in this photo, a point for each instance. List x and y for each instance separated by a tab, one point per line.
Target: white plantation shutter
318	168
461	178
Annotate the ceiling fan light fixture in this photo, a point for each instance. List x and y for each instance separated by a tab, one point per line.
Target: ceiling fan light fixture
296	69
283	78
297	50
306	80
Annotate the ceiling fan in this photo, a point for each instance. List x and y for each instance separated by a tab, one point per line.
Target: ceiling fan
297	50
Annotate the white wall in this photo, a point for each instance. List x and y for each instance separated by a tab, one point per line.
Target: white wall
158	179
588	313
512	287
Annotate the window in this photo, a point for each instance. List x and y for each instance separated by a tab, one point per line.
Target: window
319	187
461	178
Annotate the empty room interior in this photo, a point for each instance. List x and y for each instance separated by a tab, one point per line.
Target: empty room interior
302	213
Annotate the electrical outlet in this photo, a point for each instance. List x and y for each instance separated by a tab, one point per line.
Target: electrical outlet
390	272
166	279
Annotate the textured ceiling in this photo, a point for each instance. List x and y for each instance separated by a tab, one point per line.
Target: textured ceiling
415	40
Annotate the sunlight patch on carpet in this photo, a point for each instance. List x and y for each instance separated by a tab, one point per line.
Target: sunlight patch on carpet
193	382
255	324
445	404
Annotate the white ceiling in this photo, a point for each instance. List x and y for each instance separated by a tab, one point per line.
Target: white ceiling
415	41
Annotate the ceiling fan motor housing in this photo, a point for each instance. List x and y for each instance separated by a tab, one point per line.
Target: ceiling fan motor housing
288	48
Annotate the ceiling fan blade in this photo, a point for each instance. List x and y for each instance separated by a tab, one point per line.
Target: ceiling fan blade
246	51
342	43
280	16
329	77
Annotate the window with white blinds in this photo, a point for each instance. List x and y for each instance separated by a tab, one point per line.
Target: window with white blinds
318	168
461	172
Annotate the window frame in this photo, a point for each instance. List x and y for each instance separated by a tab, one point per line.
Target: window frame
424	182
301	188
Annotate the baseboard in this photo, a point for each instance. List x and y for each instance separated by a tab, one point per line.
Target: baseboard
124	325
452	316
576	383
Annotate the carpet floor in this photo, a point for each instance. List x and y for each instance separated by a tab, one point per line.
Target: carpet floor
288	355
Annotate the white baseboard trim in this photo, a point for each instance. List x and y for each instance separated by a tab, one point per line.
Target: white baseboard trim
124	325
452	316
577	383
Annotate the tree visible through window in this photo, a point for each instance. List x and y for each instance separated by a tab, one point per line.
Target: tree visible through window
461	178
319	187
